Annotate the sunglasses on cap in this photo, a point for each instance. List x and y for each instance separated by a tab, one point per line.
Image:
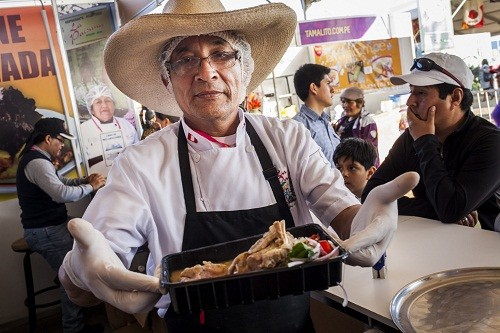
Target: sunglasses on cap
426	65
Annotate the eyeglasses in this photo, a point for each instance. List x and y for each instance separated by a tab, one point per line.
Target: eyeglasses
426	65
60	140
188	66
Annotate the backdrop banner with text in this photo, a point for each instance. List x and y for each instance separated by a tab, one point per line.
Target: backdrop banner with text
29	88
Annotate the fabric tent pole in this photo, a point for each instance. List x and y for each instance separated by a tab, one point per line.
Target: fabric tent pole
458	8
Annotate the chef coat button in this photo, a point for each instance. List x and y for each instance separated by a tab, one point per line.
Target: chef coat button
196	157
249	149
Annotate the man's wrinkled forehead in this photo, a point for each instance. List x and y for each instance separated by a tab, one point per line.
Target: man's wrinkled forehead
190	43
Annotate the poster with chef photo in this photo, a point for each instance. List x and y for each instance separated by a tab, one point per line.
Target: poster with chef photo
104	114
29	88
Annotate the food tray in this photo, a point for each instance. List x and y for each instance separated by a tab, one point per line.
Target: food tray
247	288
461	300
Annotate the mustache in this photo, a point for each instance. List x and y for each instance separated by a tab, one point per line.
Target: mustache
206	88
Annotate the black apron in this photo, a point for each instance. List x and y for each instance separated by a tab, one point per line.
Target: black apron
285	314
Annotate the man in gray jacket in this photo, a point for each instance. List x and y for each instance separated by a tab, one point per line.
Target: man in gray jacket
42	195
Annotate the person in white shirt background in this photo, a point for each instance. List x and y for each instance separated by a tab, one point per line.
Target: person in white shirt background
104	134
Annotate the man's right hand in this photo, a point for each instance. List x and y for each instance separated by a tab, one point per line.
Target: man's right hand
419	127
92	271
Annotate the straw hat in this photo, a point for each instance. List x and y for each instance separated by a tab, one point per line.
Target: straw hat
132	52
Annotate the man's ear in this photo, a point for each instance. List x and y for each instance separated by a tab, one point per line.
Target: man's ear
165	82
47	138
313	89
457	96
370	173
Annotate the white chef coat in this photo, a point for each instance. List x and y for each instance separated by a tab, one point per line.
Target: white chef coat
92	130
143	198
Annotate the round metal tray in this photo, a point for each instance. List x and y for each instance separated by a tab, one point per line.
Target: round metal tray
462	300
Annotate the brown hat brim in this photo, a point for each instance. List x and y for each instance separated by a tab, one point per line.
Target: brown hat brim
131	53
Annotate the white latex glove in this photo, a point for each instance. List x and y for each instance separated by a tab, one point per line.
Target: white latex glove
374	225
93	266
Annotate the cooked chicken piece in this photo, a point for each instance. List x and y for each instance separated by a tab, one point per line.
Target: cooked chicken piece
239	264
207	270
269	251
277	232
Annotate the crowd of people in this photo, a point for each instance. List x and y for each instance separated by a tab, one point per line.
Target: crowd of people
216	173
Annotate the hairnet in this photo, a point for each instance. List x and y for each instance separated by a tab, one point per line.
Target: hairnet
94	93
237	42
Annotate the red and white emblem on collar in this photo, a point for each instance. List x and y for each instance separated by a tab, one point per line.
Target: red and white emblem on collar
192	138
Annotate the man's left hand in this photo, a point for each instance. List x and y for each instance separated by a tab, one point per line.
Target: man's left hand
374	225
470	220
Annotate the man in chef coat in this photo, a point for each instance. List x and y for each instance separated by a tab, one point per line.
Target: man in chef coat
217	175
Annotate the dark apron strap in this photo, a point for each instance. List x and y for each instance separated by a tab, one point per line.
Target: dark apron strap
186	179
271	174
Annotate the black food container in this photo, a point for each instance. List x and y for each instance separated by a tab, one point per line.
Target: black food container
246	288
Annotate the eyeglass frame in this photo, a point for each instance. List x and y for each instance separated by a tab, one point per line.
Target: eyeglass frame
61	140
170	65
435	66
344	100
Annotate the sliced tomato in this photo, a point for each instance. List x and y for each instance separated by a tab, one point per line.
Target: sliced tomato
326	246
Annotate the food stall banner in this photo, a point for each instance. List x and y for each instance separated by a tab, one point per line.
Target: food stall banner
436	25
86	27
341	29
364	64
28	87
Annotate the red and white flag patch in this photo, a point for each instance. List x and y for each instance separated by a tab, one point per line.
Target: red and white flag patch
192	138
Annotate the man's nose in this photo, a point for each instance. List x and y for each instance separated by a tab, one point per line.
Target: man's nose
206	70
410	101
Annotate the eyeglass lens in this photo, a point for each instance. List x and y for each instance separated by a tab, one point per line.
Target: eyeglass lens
190	65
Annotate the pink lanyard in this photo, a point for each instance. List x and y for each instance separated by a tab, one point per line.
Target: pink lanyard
100	129
212	139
